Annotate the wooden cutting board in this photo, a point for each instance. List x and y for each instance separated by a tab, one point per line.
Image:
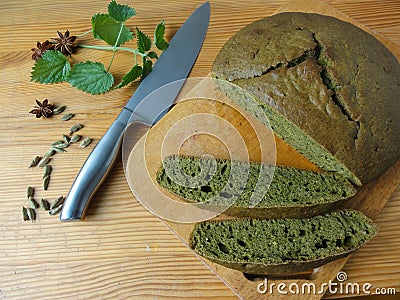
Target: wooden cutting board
370	198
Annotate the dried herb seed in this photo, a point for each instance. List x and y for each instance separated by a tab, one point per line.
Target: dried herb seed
49	153
58	202
59	145
45	160
45	204
35	161
75	138
47	171
59	150
29	192
75	128
66	138
67	117
33	203
86	142
55	210
31	214
59	110
46	181
25	213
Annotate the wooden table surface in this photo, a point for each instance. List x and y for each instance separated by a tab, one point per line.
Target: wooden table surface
121	251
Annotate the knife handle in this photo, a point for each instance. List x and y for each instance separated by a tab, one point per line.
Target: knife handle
94	170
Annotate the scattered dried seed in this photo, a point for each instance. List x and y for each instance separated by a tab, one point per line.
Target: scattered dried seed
61	145
45	204
55	210
59	150
67	117
44	161
59	110
47	171
35	161
49	153
75	138
46	181
56	143
29	192
86	142
25	213
58	202
75	128
31	214
66	138
33	203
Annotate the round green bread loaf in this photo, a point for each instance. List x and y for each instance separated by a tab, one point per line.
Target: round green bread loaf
329	89
291	193
281	246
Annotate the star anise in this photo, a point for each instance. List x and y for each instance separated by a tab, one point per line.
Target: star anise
43	109
65	43
40	49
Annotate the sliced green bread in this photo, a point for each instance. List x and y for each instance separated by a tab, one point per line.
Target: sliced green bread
328	88
281	246
284	192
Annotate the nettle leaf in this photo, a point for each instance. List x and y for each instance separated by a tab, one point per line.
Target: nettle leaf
152	54
131	76
52	67
143	41
147	67
120	12
159	40
107	29
90	77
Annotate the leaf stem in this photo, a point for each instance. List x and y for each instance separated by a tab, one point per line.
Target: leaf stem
119	34
111	61
111	48
85	33
115	46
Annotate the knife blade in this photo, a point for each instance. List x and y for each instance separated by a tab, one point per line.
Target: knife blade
173	65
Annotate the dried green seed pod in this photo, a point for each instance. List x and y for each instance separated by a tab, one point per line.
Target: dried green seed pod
45	204
75	128
44	161
59	110
46	181
55	210
58	150
47	171
67	117
34	162
33	203
75	138
49	153
29	192
25	213
86	142
61	145
31	214
58	202
56	143
66	139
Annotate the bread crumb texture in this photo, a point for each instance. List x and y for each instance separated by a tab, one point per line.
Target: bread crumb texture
241	243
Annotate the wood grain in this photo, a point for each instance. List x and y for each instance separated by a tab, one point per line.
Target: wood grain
121	251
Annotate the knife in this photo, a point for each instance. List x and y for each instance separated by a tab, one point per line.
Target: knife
173	65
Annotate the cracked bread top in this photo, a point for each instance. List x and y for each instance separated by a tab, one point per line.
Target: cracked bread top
334	81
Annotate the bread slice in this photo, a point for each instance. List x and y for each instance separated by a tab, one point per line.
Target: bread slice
284	192
281	246
329	89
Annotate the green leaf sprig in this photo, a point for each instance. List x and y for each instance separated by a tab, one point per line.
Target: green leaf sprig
53	66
